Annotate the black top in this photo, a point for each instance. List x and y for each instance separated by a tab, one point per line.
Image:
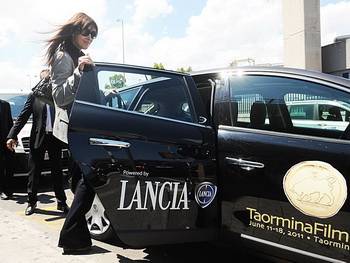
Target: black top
73	51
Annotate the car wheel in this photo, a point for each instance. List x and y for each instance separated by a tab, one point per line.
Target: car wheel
98	223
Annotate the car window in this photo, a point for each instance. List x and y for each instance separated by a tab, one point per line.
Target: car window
117	89
289	105
158	95
338	112
16	101
302	111
127	96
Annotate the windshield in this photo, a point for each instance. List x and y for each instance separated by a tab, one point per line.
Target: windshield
16	100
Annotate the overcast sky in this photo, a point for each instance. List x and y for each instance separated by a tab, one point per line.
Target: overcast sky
177	33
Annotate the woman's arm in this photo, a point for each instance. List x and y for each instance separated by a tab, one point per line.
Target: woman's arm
65	79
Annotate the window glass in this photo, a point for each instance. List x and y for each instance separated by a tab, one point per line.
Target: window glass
117	89
301	111
126	96
325	113
331	112
289	105
245	105
157	95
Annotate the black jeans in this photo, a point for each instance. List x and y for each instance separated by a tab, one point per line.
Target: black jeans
36	160
75	233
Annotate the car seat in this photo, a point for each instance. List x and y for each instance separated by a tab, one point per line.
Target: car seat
334	114
257	114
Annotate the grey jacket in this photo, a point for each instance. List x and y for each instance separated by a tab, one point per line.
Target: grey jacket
65	80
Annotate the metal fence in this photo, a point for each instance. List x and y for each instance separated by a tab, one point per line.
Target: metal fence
245	102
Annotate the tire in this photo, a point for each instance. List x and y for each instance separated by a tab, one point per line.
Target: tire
98	223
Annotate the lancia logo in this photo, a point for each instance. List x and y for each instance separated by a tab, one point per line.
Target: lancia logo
315	188
205	194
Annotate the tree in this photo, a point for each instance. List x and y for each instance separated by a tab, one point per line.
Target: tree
233	64
116	81
189	69
158	66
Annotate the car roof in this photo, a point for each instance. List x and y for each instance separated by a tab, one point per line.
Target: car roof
140	67
251	69
277	70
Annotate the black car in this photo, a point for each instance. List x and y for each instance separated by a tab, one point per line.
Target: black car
215	155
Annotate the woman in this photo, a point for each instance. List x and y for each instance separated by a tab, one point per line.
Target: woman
67	63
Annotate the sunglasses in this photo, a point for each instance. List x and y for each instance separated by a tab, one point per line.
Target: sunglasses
86	32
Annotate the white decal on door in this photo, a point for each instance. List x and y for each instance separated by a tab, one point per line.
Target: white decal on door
154	193
315	188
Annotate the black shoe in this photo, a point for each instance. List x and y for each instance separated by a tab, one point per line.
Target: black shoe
76	250
63	207
30	209
6	196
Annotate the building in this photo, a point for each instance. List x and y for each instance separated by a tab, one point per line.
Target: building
302	40
302	34
336	57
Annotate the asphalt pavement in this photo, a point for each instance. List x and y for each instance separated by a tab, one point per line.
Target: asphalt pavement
34	238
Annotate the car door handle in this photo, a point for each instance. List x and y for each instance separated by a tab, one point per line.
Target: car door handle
247	165
105	142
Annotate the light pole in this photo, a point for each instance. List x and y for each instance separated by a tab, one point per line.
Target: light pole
30	81
122	21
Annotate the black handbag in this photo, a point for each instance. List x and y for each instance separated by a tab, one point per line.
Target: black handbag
43	90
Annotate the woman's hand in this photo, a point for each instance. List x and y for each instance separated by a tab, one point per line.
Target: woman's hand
84	60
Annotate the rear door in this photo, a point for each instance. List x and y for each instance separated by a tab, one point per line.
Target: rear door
284	188
149	160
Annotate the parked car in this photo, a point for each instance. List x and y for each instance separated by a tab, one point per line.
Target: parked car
214	156
323	114
17	101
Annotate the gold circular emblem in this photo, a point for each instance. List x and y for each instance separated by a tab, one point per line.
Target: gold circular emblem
315	188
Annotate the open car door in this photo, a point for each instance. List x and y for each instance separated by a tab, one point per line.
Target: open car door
134	132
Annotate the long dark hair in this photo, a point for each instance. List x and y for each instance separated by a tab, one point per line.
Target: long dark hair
74	26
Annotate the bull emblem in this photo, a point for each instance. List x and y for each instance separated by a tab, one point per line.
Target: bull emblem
314	190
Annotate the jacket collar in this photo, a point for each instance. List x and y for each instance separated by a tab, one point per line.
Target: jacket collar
73	51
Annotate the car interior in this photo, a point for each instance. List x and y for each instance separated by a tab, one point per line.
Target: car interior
273	115
163	98
262	105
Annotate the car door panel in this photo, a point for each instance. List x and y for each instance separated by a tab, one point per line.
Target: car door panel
258	195
145	170
284	187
